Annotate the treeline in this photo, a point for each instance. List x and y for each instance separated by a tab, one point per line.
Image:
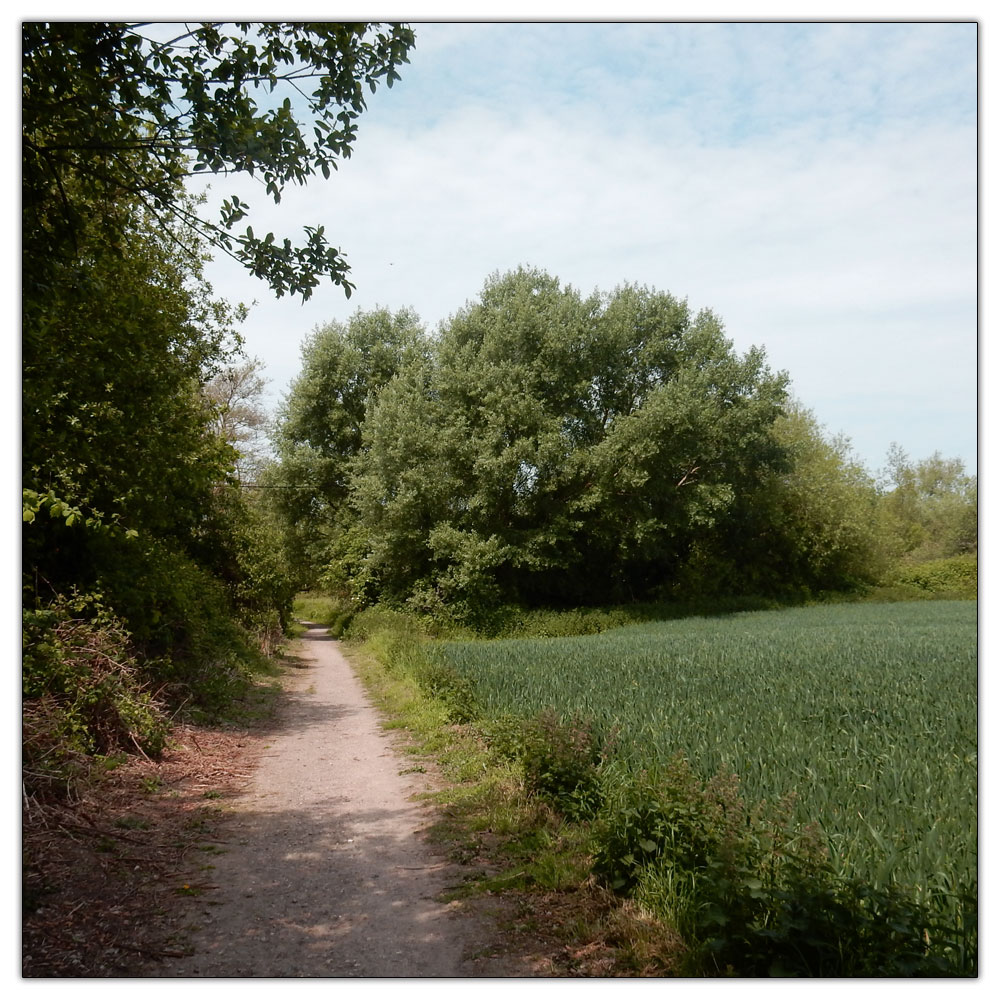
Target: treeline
546	448
151	579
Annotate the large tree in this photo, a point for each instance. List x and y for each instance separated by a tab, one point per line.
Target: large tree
560	447
320	427
808	526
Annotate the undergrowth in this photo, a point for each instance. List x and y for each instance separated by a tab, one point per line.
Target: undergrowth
91	691
955	578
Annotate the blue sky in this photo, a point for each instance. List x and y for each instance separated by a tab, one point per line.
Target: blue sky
814	184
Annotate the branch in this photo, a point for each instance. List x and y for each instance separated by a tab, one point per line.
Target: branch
685	480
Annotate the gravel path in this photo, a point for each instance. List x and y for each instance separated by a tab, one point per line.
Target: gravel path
327	873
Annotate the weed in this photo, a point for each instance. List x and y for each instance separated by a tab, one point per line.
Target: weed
562	764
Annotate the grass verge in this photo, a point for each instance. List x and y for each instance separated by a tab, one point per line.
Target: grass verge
513	844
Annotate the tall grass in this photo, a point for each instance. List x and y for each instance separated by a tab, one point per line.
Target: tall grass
865	713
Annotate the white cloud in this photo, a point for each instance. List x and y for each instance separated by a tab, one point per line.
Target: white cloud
834	225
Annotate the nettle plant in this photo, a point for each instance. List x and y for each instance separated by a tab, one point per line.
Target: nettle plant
562	763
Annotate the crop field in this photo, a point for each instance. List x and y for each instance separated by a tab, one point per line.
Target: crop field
866	712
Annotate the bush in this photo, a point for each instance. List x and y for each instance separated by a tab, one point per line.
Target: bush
957	577
84	693
181	621
752	894
448	686
505	737
562	764
667	817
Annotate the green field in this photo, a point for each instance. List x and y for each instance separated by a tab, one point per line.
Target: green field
867	712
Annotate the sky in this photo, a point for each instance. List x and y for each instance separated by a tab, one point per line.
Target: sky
813	184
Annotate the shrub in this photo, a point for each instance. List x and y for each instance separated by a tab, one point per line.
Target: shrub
181	621
84	693
562	764
448	686
956	577
751	893
665	816
504	735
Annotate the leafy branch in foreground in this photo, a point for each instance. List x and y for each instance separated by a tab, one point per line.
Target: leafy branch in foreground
109	110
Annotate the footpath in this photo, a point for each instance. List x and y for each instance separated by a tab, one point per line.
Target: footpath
327	872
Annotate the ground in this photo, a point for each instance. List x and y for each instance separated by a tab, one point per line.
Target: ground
293	847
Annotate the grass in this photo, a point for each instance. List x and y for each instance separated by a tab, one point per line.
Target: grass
512	844
867	713
825	712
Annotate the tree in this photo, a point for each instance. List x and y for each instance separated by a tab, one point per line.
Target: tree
557	448
320	426
113	109
810	526
932	506
116	435
119	329
236	395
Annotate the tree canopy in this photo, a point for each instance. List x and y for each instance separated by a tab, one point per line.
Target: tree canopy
556	434
320	427
136	401
931	506
546	447
114	109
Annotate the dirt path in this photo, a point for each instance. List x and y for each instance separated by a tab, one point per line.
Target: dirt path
326	872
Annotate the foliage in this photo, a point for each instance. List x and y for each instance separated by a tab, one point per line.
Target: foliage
454	691
319	433
752	891
930	507
245	554
550	434
85	693
125	474
136	406
113	426
113	110
807	529
956	578
181	620
562	763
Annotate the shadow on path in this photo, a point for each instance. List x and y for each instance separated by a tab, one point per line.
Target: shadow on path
326	871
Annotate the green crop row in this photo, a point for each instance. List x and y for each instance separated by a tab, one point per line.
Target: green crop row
865	713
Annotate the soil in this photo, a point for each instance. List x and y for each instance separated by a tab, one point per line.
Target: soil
294	850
